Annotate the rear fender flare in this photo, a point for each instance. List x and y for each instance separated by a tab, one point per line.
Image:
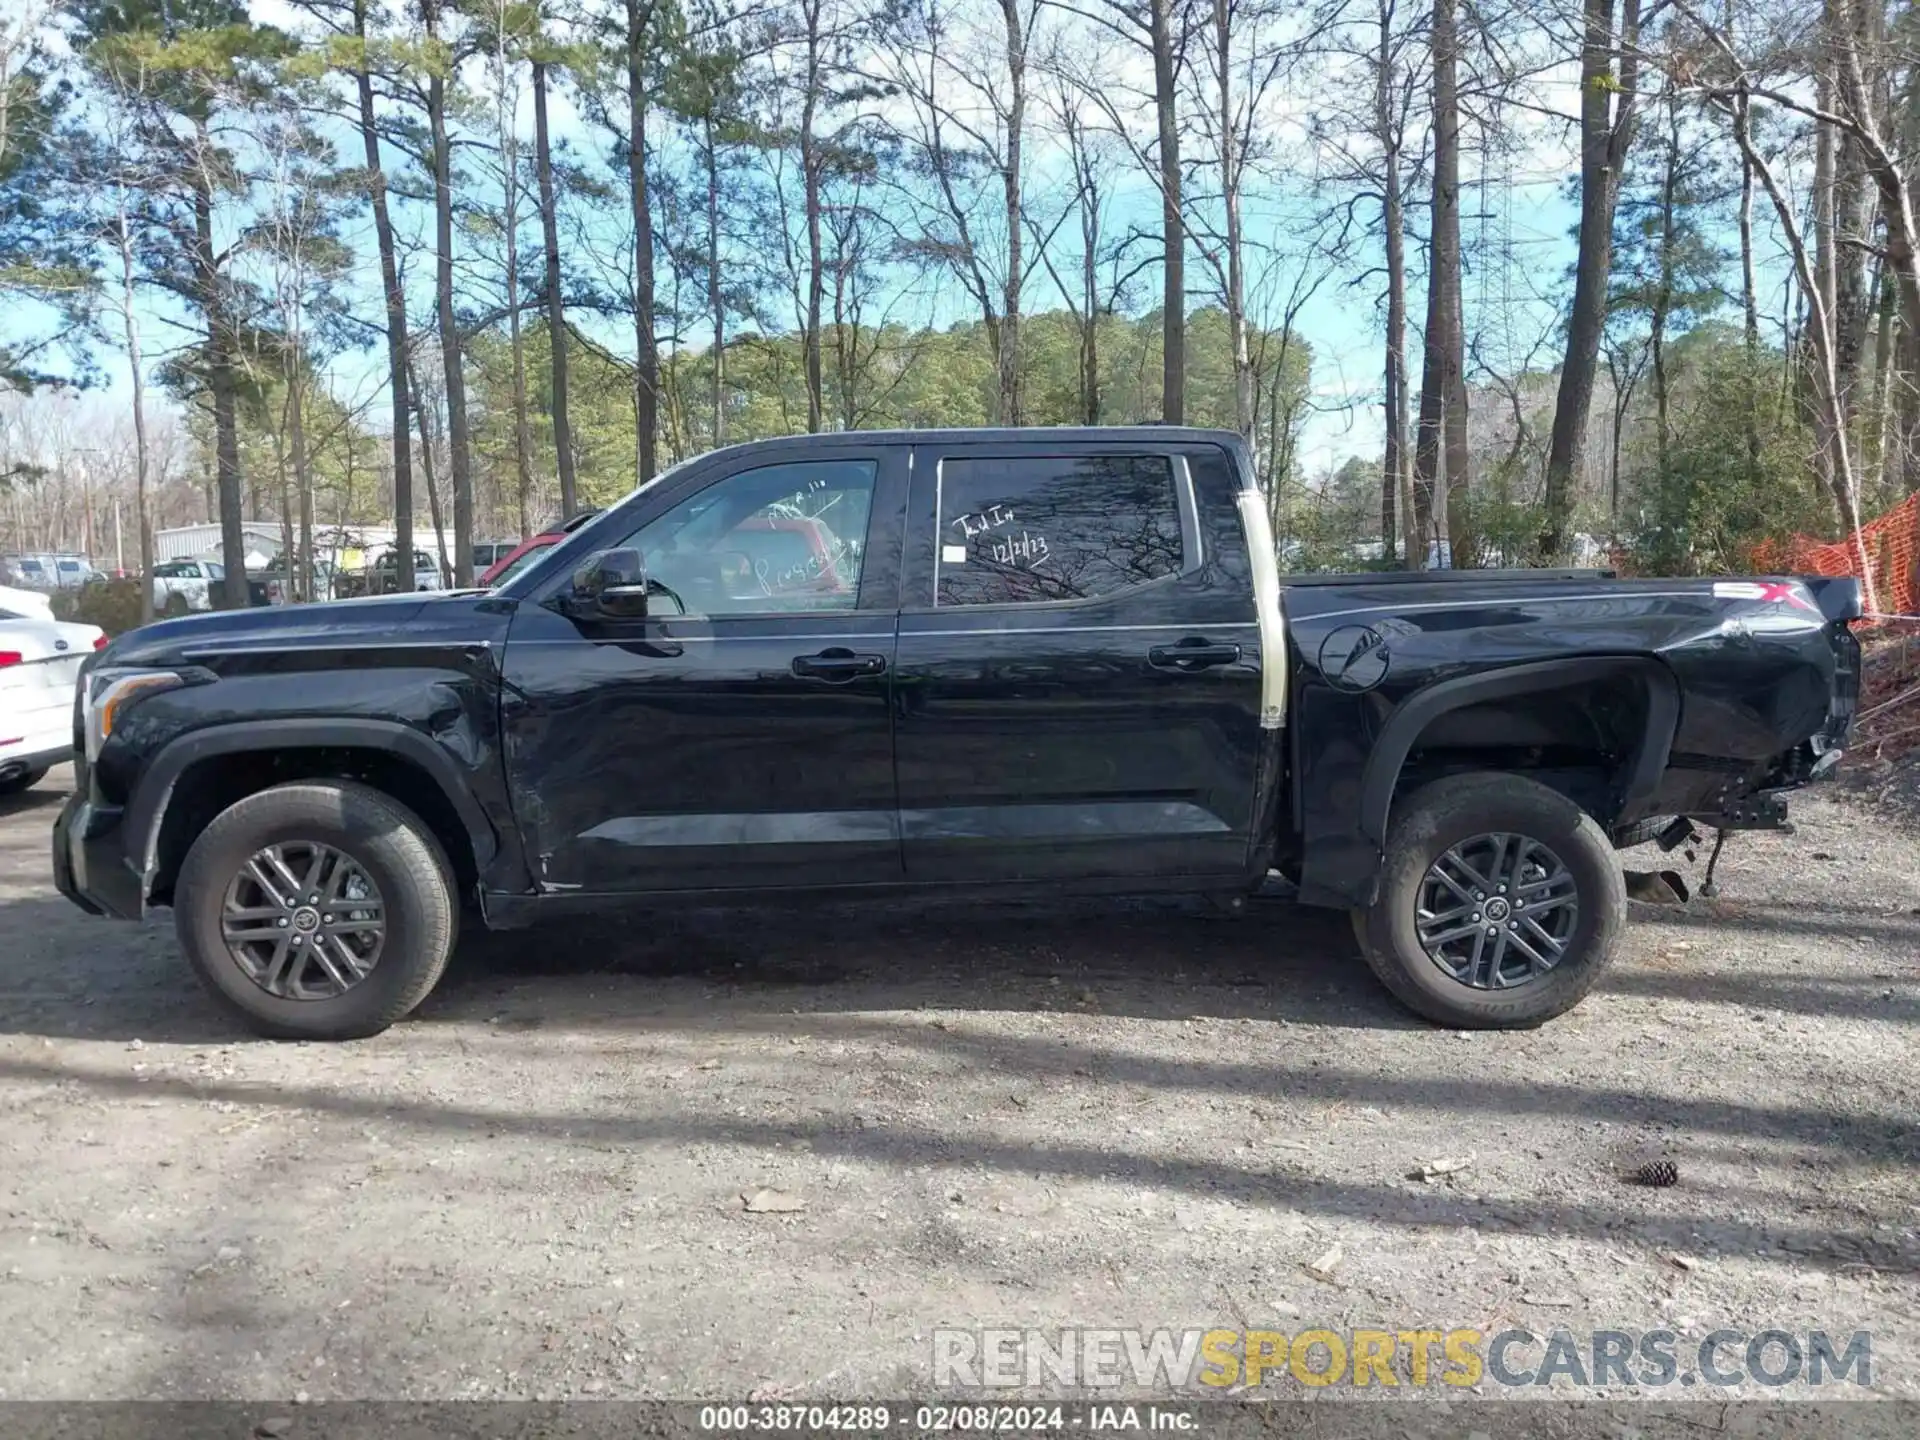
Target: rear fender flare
1412	716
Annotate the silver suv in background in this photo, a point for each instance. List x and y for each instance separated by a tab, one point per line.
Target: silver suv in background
47	570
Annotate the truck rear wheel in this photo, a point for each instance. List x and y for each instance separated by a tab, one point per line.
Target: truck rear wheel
322	910
1501	902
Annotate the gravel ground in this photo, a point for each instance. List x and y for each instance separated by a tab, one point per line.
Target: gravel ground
1114	1116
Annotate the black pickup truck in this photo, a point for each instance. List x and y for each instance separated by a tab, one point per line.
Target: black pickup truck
1059	661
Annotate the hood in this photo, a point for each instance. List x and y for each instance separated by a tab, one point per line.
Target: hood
423	617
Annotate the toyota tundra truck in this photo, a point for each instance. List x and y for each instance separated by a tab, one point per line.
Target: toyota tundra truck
941	663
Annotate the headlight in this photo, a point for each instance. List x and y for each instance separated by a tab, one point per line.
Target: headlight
109	692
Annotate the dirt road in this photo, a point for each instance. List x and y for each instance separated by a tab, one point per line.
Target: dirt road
1117	1116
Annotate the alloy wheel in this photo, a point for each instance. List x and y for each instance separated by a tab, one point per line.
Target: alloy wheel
303	920
1497	911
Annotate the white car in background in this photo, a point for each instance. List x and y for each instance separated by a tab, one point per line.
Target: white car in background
40	663
32	604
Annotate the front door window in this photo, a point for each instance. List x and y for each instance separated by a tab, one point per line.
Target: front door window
777	540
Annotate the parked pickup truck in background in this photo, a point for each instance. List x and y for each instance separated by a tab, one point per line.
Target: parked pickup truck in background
183	585
1045	661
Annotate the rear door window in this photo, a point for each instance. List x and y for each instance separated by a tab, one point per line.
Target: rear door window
1019	530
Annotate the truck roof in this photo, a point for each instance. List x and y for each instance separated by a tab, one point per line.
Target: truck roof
1025	434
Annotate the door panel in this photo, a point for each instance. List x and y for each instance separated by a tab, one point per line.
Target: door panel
1110	736
733	747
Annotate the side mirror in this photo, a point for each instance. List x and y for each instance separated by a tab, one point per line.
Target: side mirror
612	583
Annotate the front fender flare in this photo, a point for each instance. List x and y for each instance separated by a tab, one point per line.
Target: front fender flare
1420	709
147	806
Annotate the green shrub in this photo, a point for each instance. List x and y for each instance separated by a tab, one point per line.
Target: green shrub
113	605
1712	504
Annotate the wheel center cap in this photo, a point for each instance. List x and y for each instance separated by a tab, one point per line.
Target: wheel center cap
1497	909
306	919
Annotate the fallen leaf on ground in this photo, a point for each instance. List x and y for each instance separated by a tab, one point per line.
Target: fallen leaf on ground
767	1201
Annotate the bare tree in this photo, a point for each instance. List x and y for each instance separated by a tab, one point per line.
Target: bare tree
967	94
646	383
1607	116
1159	29
511	36
353	50
556	305
1440	447
441	62
1244	59
123	182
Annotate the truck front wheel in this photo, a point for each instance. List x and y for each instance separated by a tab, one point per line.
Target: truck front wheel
1501	902
322	910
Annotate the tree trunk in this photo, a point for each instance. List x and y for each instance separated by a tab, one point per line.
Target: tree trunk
1439	447
396	302
1662	306
1856	28
715	301
1010	181
810	181
556	309
403	569
287	540
516	337
1750	321
1826	141
303	483
1894	185
1087	312
220	381
1173	356
1604	140
1396	475
458	454
1230	183
646	372
1446	220
1878	412
1821	336
131	320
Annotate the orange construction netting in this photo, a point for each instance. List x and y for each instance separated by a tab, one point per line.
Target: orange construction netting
1890	547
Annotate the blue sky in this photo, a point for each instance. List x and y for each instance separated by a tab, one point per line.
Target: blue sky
1522	216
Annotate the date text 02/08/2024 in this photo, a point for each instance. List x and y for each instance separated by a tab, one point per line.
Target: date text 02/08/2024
945	1418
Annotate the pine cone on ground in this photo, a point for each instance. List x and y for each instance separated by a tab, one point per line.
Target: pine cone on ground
1656	1173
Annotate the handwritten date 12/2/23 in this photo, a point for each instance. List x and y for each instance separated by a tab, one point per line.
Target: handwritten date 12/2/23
1023	551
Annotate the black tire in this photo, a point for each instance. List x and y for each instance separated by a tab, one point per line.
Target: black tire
386	840
25	780
1454	810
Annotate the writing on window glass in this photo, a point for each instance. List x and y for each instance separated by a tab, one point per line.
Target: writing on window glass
991	518
1023	549
1036	528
